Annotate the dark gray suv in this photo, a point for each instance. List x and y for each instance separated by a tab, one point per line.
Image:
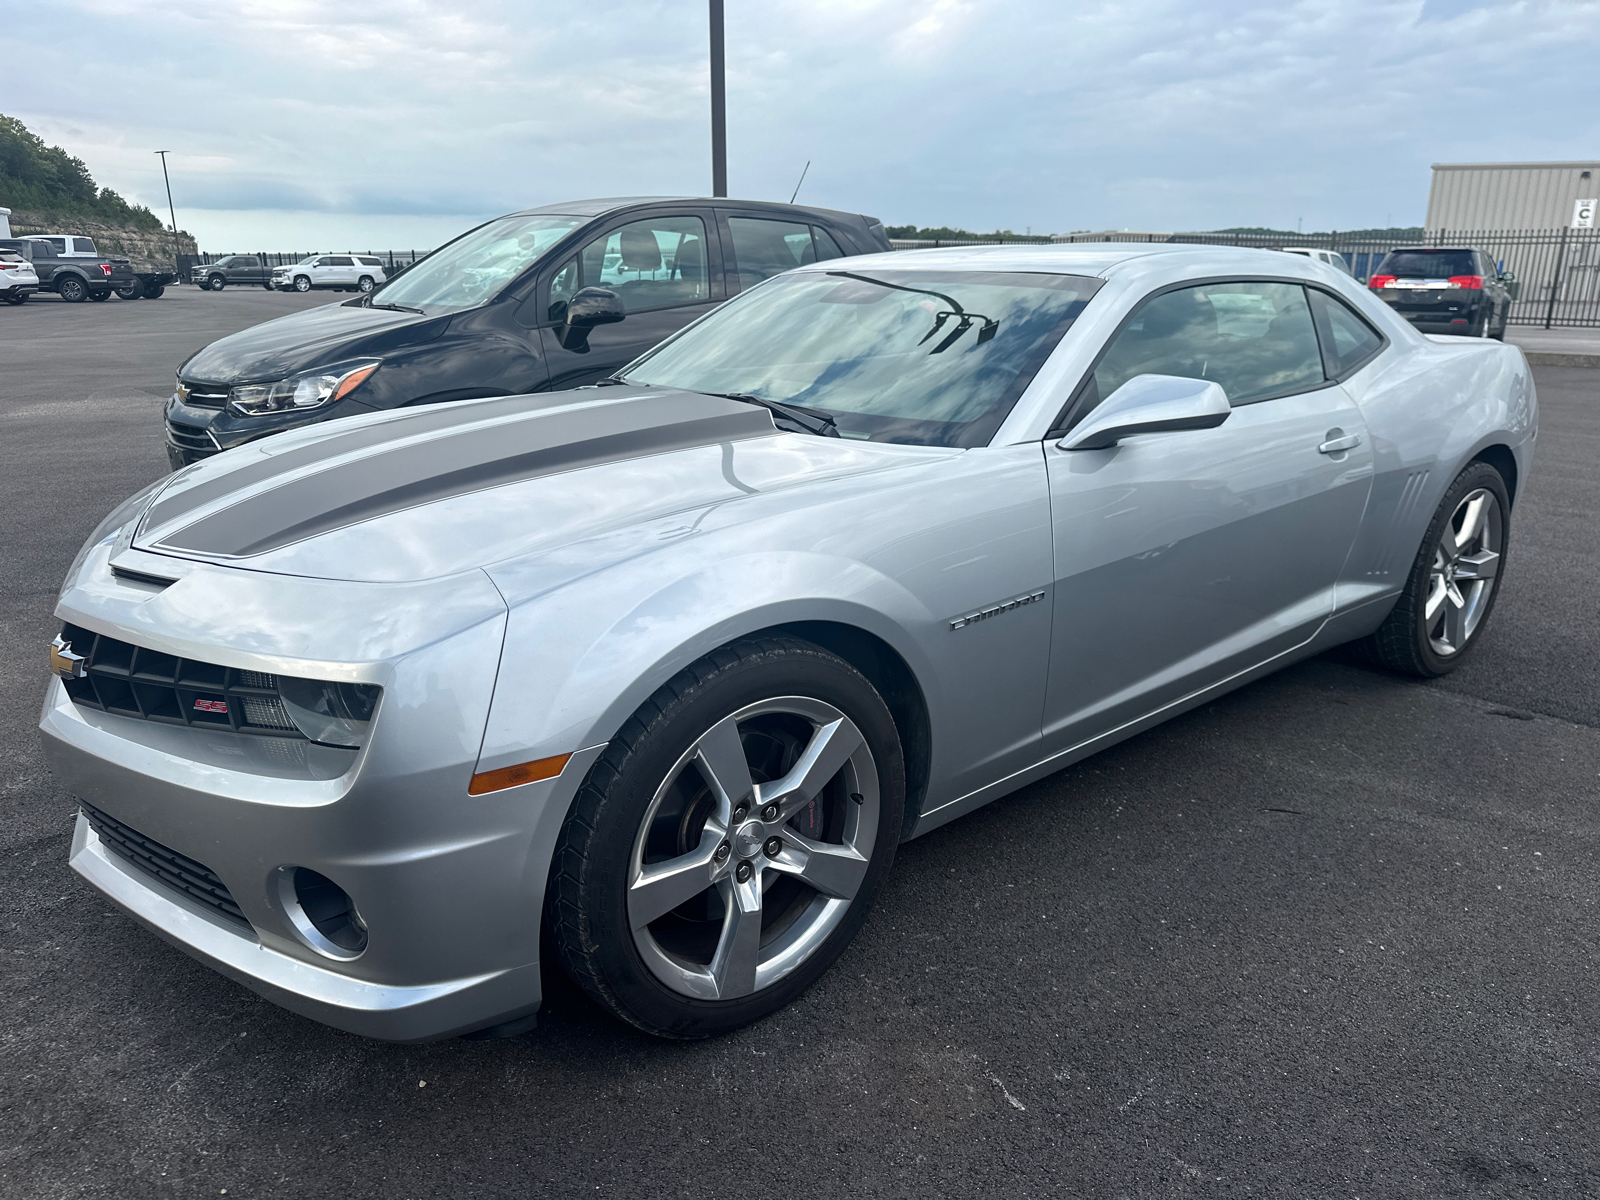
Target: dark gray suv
538	300
1447	289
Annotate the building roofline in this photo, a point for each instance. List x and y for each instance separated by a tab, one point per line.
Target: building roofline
1501	166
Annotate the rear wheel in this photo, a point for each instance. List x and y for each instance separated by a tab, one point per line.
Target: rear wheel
73	290
727	846
1454	580
19	298
365	284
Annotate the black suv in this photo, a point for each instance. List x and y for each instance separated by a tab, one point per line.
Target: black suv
539	300
1447	290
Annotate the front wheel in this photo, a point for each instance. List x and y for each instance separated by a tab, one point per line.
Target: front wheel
302	283
1454	580
727	846
217	283
205	285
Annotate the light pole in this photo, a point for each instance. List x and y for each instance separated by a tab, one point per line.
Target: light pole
719	113
170	209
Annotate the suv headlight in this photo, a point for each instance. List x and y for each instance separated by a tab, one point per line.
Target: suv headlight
309	390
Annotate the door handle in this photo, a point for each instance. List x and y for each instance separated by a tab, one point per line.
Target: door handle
1336	445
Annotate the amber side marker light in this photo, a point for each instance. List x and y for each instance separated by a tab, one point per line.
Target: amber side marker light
508	777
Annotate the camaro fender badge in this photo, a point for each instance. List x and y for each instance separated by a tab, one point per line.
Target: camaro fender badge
994	610
216	706
64	663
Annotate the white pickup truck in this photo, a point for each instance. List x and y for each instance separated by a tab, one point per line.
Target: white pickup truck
337	272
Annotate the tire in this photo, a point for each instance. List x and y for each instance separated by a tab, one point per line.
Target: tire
204	285
131	291
1436	620
268	286
73	290
153	291
21	298
365	284
302	283
99	296
217	283
685	972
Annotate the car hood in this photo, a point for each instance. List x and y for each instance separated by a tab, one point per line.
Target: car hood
428	492
304	340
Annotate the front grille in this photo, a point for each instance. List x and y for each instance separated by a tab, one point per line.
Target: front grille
205	395
192	438
177	871
132	681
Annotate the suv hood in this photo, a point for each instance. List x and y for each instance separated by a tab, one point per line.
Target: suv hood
304	340
428	492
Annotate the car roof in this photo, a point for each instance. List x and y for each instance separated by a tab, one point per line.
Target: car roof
608	204
1086	258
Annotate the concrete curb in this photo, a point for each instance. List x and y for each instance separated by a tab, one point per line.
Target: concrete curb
1545	358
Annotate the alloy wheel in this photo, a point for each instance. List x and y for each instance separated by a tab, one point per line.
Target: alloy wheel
753	848
1465	570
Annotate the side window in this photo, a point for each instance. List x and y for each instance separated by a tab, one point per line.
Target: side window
826	247
659	263
1255	339
1347	340
85	245
341	262
762	248
561	289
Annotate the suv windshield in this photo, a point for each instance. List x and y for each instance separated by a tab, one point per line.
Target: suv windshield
470	270
924	357
1427	264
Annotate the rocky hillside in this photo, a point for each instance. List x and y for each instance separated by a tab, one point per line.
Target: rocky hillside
153	244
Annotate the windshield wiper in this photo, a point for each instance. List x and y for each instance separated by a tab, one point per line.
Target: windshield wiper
395	307
809	419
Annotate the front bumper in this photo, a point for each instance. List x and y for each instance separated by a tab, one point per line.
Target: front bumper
449	887
195	432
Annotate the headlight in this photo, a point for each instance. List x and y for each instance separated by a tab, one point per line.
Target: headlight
335	714
311	390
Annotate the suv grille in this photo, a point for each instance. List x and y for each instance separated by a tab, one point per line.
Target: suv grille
205	395
178	872
192	438
134	682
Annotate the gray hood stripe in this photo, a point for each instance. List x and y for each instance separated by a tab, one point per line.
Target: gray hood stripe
470	460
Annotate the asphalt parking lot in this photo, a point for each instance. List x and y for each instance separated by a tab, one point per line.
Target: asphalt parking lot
1333	935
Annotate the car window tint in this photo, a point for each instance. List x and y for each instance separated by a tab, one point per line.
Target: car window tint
1348	341
659	263
1255	339
561	289
1426	264
826	247
84	245
371	262
762	248
341	262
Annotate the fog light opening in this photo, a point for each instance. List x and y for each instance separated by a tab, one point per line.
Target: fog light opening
322	913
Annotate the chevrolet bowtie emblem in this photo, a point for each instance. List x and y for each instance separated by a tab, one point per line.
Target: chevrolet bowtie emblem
63	662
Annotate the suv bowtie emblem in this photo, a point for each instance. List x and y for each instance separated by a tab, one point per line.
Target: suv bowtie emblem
63	662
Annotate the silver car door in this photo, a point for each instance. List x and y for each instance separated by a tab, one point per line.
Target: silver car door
1184	558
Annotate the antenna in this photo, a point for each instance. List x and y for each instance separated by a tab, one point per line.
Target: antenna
802	180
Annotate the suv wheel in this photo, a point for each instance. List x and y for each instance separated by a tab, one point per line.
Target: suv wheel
726	847
73	290
302	283
1454	580
365	284
217	283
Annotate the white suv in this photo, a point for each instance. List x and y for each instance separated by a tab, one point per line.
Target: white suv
339	272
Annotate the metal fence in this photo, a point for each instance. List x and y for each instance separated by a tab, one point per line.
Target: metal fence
392	259
1557	270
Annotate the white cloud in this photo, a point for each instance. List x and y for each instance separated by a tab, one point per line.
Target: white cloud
1125	113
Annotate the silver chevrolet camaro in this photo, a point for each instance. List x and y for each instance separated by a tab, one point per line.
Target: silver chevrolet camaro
663	671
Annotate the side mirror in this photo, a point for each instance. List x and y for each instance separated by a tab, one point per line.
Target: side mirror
589	307
1150	404
1513	285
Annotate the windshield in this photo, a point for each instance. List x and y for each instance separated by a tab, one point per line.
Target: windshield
1427	264
474	267
931	358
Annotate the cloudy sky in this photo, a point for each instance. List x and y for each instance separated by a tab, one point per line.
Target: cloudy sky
306	124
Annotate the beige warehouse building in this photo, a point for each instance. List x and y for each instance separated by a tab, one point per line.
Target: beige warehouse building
1513	196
